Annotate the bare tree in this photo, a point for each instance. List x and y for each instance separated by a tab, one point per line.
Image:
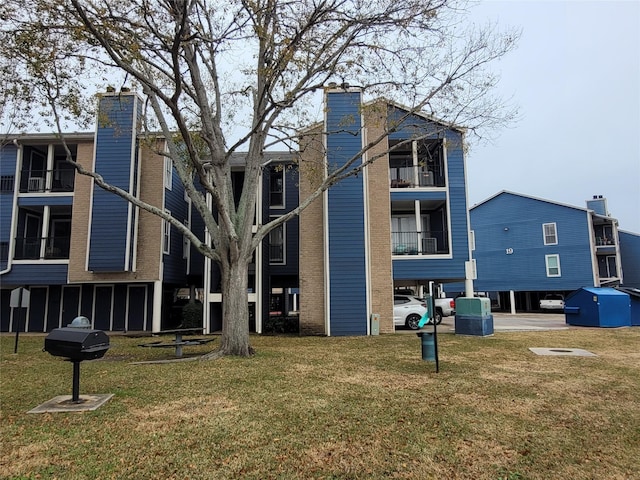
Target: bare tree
241	76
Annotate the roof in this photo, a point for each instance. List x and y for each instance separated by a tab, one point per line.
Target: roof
48	137
418	113
560	204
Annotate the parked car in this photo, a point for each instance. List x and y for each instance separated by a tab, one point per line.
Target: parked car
445	307
552	301
408	310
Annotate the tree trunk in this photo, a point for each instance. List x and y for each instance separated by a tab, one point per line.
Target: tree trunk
235	311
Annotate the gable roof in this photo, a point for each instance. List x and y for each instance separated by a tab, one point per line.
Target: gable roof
530	197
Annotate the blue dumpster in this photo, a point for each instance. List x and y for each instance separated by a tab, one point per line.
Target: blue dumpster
634	296
598	307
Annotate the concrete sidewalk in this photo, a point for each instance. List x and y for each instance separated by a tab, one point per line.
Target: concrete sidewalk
520	322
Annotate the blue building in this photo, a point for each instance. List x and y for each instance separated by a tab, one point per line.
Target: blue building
630	256
526	247
80	250
400	223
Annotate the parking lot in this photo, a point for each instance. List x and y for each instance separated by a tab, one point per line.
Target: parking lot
506	322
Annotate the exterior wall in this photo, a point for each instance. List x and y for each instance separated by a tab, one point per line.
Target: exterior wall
8	162
630	256
174	265
449	268
312	281
112	218
510	251
379	215
347	288
149	238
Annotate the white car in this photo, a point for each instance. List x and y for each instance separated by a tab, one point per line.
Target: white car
408	310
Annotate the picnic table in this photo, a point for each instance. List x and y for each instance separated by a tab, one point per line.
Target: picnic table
178	342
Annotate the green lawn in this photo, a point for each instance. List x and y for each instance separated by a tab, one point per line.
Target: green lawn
333	408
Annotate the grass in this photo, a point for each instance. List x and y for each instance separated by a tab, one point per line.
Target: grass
333	408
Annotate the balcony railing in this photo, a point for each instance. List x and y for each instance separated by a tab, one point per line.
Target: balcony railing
30	248
412	177
420	243
39	181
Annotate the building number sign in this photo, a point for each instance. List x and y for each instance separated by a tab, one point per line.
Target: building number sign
509	251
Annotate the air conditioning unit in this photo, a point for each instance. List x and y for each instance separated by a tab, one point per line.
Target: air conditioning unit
429	245
428	179
36	184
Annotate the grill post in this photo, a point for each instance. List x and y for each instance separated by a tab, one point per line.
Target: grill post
75	397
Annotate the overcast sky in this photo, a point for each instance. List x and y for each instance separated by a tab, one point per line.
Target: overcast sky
575	76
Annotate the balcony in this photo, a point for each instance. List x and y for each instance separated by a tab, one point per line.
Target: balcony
417	164
41	181
31	248
420	243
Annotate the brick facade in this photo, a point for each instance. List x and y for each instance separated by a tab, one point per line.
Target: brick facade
312	280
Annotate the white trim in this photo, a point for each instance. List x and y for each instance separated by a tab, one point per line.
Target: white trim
325	224
166	232
136	227
546	262
257	314
130	206
14	210
167	174
592	250
445	166
555	233
45	232
366	225
156	321
92	187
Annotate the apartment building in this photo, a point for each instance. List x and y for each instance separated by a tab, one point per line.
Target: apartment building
400	223
526	247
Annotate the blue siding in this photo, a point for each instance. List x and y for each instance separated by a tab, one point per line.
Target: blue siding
45	200
439	269
630	258
418	195
8	159
524	269
175	267
35	274
114	154
346	242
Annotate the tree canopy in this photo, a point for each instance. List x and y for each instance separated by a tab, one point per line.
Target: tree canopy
228	76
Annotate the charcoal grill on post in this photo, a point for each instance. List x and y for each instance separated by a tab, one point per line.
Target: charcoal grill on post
76	345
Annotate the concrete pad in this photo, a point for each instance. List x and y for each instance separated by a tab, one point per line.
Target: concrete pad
575	352
63	403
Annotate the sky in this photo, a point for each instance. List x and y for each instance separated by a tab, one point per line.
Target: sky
575	79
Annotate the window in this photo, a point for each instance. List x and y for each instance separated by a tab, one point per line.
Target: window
553	265
276	186
166	236
550	233
276	246
168	173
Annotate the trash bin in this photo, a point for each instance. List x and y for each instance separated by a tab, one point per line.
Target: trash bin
428	346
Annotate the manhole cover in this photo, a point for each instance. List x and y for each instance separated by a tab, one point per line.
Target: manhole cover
576	352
